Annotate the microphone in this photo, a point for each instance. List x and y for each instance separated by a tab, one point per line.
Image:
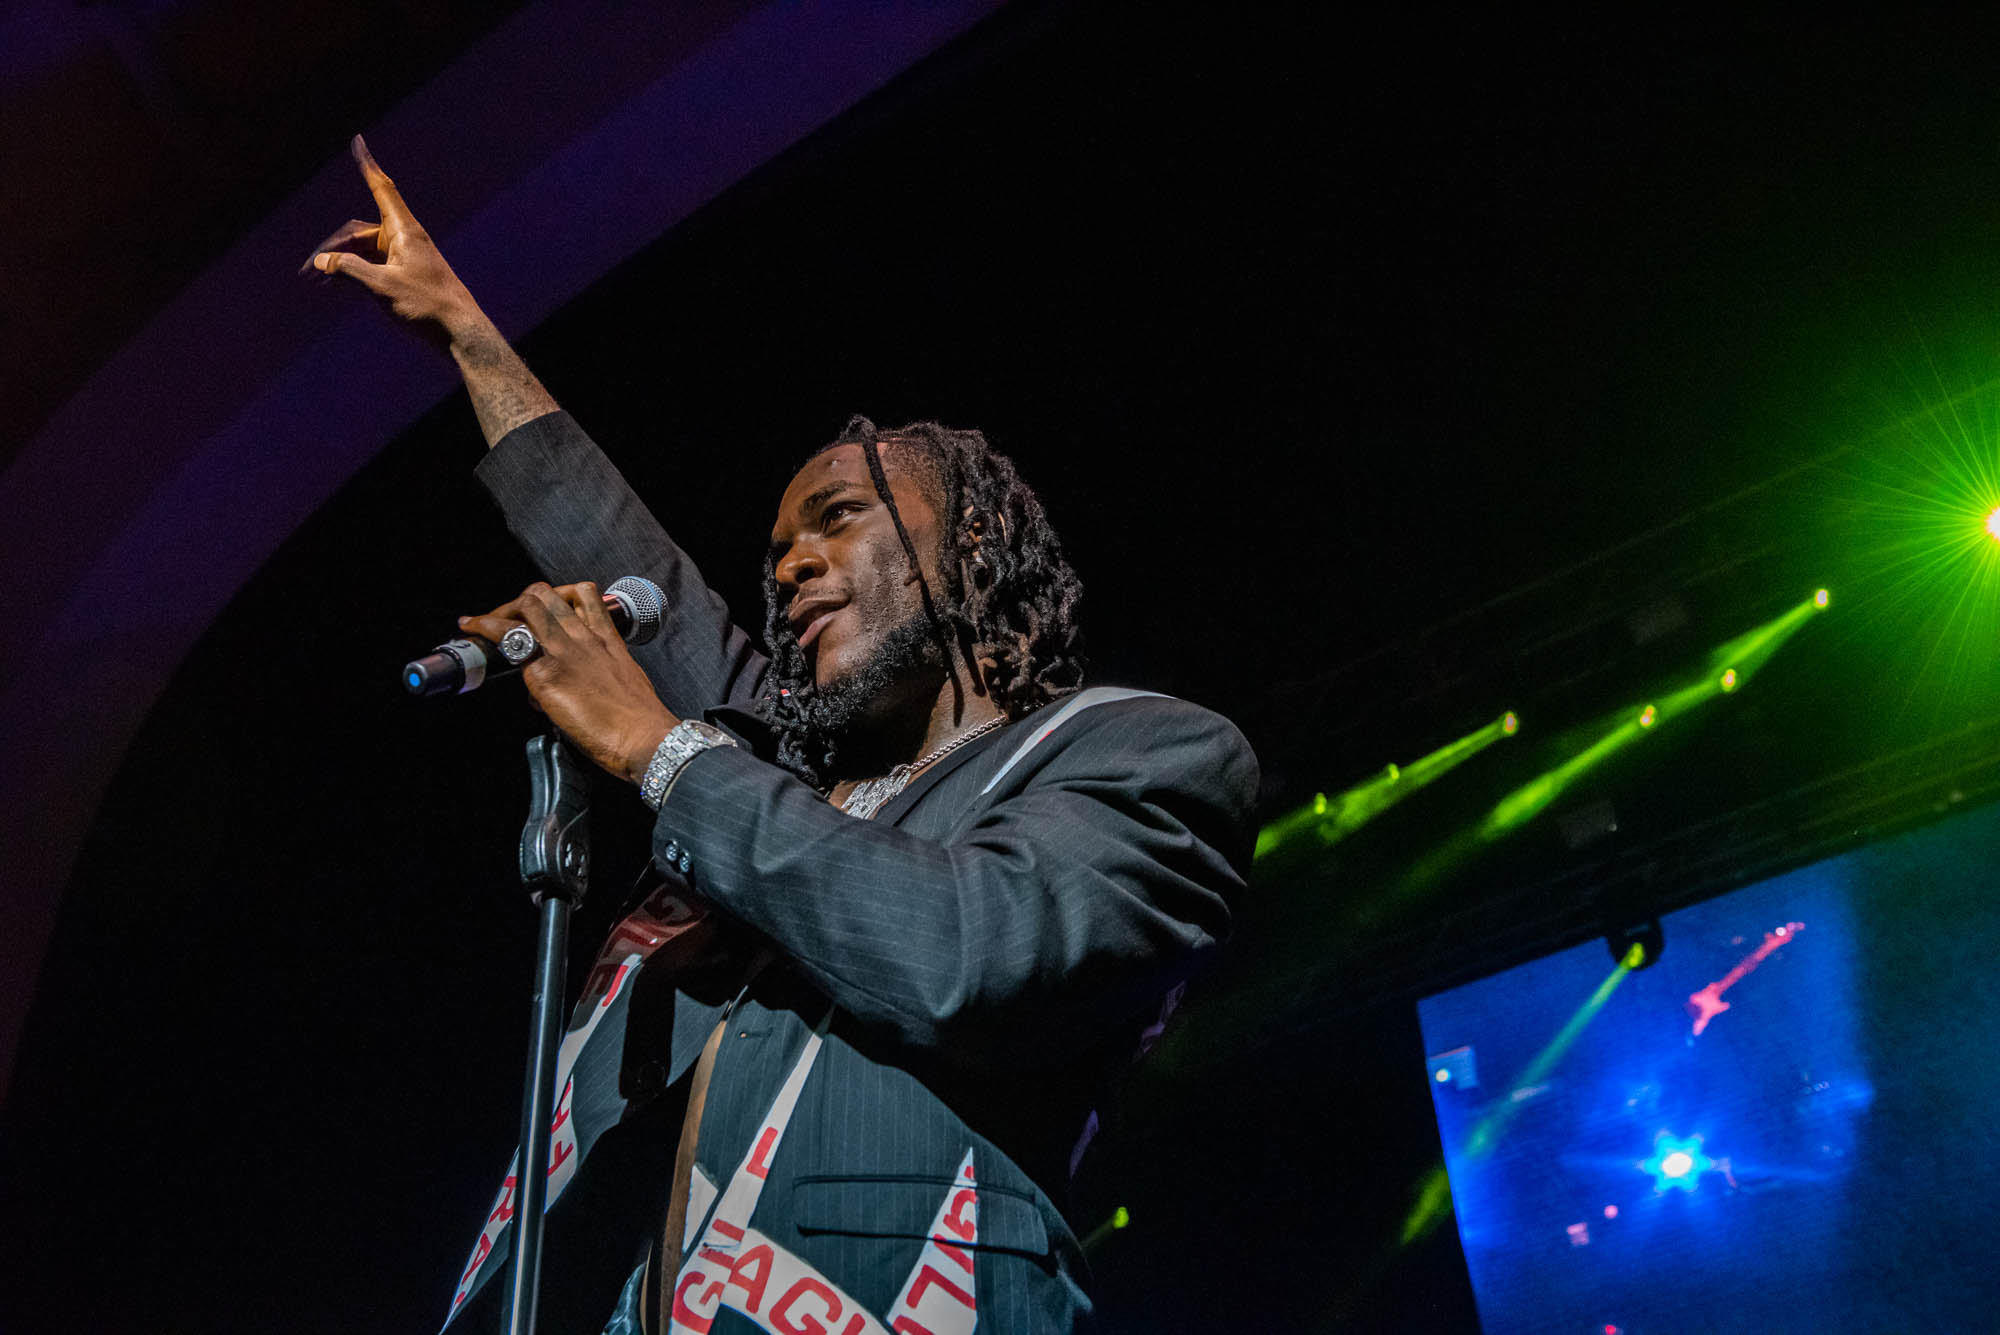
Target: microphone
457	666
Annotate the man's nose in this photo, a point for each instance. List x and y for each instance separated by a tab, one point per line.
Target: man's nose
803	562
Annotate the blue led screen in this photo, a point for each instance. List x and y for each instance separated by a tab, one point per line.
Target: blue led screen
1791	1121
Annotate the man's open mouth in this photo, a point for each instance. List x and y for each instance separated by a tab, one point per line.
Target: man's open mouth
810	619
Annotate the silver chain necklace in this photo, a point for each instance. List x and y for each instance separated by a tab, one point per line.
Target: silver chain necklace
871	795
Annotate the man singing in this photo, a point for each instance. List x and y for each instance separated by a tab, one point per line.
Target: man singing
961	889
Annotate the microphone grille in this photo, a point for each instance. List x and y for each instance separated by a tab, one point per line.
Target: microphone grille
644	601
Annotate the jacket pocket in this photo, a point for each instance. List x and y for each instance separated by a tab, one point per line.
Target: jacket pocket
890	1205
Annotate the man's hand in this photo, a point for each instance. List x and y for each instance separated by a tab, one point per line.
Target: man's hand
412	279
584	679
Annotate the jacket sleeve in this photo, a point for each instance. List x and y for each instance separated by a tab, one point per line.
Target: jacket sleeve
1049	921
577	519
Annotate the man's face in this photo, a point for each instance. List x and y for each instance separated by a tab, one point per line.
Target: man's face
844	582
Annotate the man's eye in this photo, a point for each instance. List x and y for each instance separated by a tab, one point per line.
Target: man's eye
835	513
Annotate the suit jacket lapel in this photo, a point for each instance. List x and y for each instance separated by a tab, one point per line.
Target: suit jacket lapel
899	806
747	727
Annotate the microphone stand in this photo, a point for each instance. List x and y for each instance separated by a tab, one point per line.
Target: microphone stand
555	866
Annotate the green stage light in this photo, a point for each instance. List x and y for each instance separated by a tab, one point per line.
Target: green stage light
1531	798
1117	1219
1434	1195
1729	666
1487	1133
1685	699
1334	818
1993	524
1432	1208
1913	510
1749	651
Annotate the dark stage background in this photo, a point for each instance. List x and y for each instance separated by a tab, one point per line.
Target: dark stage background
1380	373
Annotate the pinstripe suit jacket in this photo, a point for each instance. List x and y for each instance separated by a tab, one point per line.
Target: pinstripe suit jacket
896	1101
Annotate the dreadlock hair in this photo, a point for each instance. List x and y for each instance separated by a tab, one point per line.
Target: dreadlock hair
1014	621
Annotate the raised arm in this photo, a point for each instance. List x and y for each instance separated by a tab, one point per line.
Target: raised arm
415	284
563	500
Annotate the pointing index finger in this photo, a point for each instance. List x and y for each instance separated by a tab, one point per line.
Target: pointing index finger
387	198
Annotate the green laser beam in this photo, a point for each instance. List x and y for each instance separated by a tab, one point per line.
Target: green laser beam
1911	515
1335	818
1433	1193
1116	1220
1737	660
1488	1131
1432	1207
1532	798
1725	671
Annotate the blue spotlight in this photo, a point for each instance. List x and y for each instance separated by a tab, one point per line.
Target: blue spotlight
1676	1163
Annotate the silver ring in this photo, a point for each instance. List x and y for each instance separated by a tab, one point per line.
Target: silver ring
518	645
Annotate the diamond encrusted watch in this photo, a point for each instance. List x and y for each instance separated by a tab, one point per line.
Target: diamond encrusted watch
686	741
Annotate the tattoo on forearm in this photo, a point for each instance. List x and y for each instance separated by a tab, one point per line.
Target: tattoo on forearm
504	392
